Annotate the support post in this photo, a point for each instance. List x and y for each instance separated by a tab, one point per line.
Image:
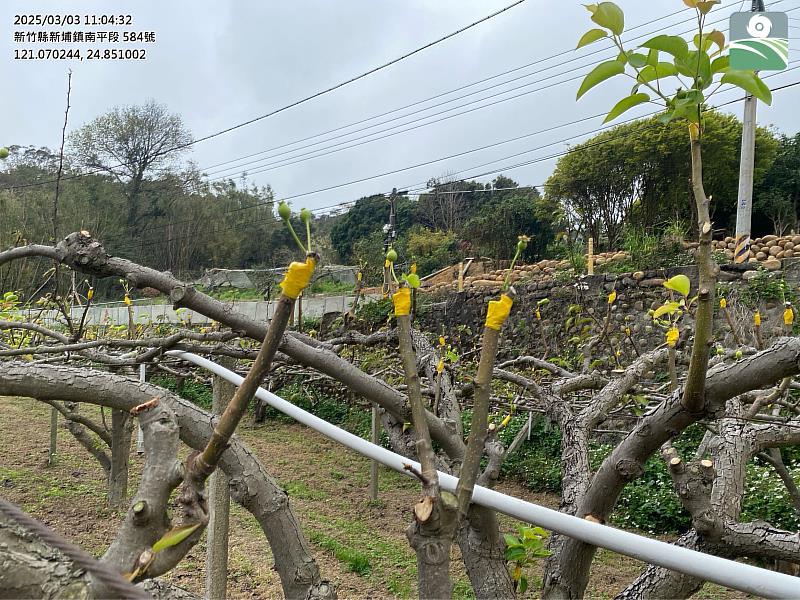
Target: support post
300	312
139	432
744	208
373	471
51	456
461	276
530	425
219	505
590	258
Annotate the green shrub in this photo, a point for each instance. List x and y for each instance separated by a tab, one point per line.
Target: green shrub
431	250
327	286
766	498
537	463
194	391
355	419
374	313
644	247
766	286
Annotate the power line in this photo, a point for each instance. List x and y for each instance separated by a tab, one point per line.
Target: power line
470	177
418	126
395	110
397	129
415	186
537	63
347	144
311	97
529	162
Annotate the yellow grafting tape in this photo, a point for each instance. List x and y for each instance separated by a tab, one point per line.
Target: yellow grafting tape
672	336
297	277
498	312
402	302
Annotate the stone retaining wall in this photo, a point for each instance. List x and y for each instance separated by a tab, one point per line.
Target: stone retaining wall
575	309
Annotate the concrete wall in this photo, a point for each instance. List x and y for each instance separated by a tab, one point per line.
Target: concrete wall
117	314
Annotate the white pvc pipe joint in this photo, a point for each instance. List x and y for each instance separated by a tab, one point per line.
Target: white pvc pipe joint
728	573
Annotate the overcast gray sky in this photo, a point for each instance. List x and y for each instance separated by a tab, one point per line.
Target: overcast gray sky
219	63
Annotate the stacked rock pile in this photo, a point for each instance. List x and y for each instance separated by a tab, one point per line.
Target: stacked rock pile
768	250
542	270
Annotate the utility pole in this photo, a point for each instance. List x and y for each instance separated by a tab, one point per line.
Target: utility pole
390	235
744	209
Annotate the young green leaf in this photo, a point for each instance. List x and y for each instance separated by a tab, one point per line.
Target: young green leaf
603	71
608	15
626	104
515	553
667	309
412	279
667	117
591	37
637	60
174	537
709	39
695	64
721	64
679	283
671	44
750	83
523	585
659	71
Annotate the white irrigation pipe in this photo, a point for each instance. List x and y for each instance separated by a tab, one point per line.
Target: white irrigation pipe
745	578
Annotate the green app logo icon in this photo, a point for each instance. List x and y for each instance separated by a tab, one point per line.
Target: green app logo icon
759	41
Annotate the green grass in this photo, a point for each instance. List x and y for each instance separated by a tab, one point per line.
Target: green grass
355	561
365	552
50	487
298	489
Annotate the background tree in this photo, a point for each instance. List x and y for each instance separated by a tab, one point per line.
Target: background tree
778	196
430	250
449	204
132	143
366	217
639	174
517	211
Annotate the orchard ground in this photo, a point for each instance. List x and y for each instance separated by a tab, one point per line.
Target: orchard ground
360	545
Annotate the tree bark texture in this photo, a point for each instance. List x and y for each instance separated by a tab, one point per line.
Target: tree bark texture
31	569
483	553
219	499
121	428
431	533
